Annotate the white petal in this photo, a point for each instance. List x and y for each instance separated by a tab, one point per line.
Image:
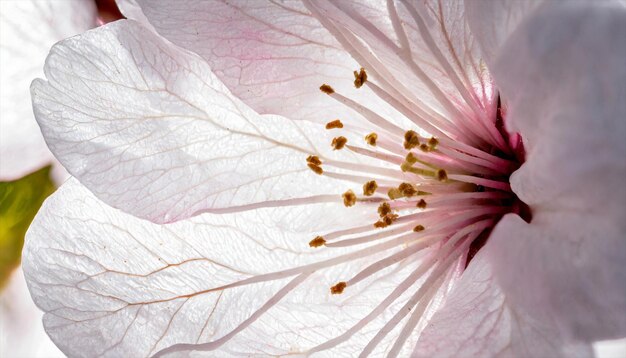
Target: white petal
566	265
480	320
115	285
27	30
492	22
273	56
564	80
149	129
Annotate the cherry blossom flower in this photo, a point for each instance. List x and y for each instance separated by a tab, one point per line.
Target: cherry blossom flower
424	178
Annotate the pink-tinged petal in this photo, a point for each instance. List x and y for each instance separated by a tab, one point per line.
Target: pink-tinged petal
114	285
565	265
271	55
27	30
564	76
422	55
564	79
479	320
149	129
492	22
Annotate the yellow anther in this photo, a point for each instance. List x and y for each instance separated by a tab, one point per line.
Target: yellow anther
411	158
442	175
371	139
334	124
421	204
433	142
327	89
407	189
394	193
411	140
339	142
338	288
360	78
384	209
317	242
418	228
369	188
316	168
386	221
313	159
349	198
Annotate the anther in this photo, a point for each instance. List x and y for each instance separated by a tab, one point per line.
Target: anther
338	288
418	228
424	148
339	142
421	204
334	124
369	188
360	78
411	158
371	139
327	89
316	168
411	140
314	163
432	143
442	175
349	198
384	209
317	242
385	221
407	189
313	159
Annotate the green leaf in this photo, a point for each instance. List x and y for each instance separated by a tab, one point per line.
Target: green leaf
19	202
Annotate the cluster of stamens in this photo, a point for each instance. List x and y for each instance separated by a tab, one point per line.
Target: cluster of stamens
429	192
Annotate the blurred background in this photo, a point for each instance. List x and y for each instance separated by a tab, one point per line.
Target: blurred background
28	172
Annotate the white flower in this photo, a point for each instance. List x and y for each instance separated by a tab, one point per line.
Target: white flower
28	29
213	108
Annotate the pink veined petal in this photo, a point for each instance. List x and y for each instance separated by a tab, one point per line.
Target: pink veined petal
114	285
27	30
492	22
149	129
568	266
480	320
563	73
271	55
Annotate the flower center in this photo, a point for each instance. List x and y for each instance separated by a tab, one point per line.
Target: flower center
428	192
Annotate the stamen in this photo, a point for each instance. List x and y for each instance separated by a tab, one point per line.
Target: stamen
334	124
316	168
442	175
317	242
371	139
313	159
327	89
349	198
339	142
418	228
384	209
411	140
360	78
369	188
338	288
421	204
